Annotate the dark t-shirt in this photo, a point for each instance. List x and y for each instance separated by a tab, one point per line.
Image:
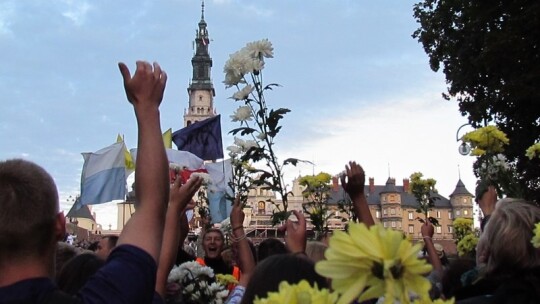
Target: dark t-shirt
129	276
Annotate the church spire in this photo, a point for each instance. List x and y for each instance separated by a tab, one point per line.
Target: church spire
201	89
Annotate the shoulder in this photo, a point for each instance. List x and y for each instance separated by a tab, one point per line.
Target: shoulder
129	276
31	290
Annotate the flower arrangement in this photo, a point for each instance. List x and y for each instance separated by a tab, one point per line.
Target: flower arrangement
486	140
536	238
533	151
491	166
423	190
367	263
197	284
298	293
257	121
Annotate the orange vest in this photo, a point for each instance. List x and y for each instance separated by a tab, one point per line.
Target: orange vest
236	271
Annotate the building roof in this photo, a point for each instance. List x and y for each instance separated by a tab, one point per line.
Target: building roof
84	212
373	198
461	190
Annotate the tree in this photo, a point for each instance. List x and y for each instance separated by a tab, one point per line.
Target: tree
489	53
317	193
425	193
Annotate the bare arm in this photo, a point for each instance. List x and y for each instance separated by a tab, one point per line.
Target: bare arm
179	198
145	91
427	234
295	237
247	262
354	186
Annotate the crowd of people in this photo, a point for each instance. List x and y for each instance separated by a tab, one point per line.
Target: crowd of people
134	267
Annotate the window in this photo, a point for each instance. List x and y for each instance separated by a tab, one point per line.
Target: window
458	212
411	215
450	215
392	198
438	229
393	224
261	209
399	224
377	214
411	228
384	212
450	229
385	224
465	212
392	211
438	214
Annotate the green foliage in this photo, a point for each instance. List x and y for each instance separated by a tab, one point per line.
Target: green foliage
424	191
467	245
317	193
462	227
488	52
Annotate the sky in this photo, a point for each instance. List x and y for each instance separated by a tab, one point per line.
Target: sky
359	87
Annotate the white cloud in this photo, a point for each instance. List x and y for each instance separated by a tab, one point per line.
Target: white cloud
7	12
391	138
257	11
76	11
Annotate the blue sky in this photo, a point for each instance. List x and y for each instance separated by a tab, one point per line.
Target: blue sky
359	86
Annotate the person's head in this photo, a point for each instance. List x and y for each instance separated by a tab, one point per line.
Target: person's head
512	222
315	250
277	268
106	245
30	222
76	272
269	247
64	253
227	256
213	241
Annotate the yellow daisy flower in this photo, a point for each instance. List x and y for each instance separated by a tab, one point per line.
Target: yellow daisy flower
301	293
536	238
369	263
533	151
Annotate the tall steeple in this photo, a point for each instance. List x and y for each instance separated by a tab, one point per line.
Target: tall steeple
201	90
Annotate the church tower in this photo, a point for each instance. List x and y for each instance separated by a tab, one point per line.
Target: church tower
201	90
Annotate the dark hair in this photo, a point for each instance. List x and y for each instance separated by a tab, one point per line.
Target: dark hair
64	253
77	271
214	230
277	268
270	247
29	204
451	279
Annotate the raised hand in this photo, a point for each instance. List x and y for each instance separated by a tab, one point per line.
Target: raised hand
237	215
182	194
145	89
353	180
295	233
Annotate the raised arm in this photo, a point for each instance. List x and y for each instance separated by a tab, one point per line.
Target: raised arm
247	261
179	198
295	233
427	234
145	91
353	182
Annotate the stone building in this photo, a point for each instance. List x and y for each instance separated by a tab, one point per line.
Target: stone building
391	205
201	89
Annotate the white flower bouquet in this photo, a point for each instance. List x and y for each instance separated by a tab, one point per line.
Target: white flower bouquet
196	284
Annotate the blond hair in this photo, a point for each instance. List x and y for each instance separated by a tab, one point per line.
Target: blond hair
507	238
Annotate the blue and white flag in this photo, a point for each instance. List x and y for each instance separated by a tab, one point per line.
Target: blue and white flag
220	174
180	158
103	177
